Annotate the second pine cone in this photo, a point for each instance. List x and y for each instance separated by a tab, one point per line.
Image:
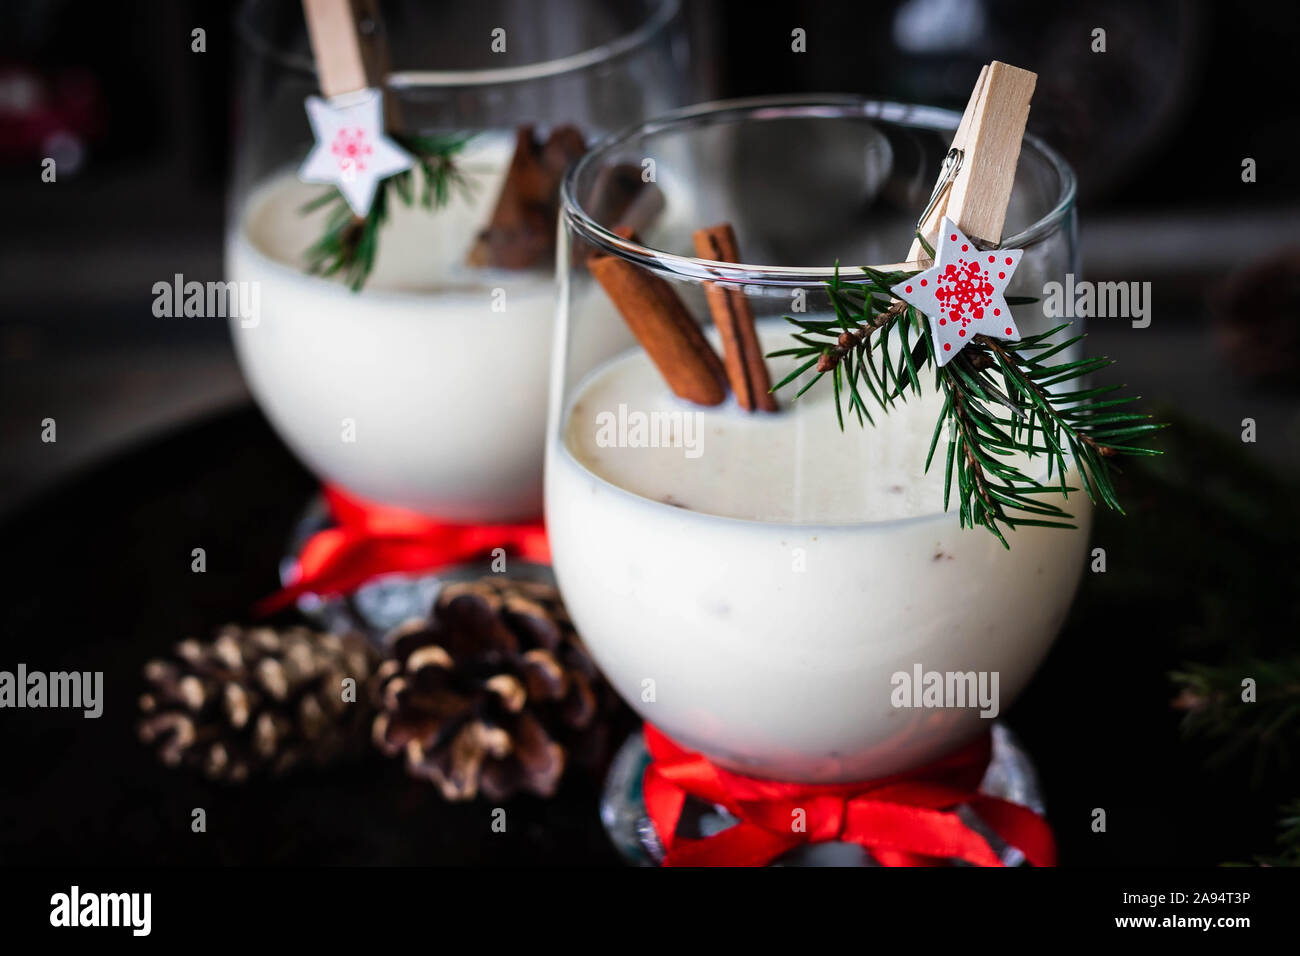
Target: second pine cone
494	693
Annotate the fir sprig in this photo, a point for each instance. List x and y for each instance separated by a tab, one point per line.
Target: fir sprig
1266	727
1288	838
350	242
1001	399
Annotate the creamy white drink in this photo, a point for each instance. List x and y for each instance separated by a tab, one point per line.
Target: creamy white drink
437	370
752	588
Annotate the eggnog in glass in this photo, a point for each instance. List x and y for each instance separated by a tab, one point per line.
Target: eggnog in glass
425	388
753	581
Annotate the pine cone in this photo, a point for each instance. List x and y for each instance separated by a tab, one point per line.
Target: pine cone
492	693
257	700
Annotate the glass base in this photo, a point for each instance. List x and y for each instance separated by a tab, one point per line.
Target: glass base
382	603
1010	776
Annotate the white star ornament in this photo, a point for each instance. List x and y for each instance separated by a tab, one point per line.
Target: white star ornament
351	150
964	293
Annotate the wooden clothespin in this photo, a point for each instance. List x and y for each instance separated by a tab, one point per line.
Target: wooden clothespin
347	41
975	185
970	202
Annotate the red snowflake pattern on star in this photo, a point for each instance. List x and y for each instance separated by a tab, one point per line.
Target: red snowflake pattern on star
351	148
964	291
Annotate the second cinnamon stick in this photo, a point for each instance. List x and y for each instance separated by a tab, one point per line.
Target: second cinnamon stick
746	369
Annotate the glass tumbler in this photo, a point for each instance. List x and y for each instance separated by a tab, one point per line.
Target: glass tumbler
426	389
752	583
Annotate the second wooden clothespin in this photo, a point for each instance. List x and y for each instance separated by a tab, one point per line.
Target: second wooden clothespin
980	168
348	45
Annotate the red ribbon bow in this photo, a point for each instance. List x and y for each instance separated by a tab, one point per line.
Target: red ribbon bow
370	540
908	819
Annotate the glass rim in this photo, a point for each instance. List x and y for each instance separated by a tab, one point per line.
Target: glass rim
772	107
663	14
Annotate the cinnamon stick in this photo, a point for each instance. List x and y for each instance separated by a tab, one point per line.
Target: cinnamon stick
521	232
661	323
741	351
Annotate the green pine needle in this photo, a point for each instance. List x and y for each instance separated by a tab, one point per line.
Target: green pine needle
1265	728
1288	839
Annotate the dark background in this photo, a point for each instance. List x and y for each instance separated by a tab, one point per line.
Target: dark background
154	421
1156	127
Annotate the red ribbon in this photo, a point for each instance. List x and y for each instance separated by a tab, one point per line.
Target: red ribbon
908	819
370	539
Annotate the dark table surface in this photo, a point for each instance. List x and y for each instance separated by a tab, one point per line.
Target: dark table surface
97	577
